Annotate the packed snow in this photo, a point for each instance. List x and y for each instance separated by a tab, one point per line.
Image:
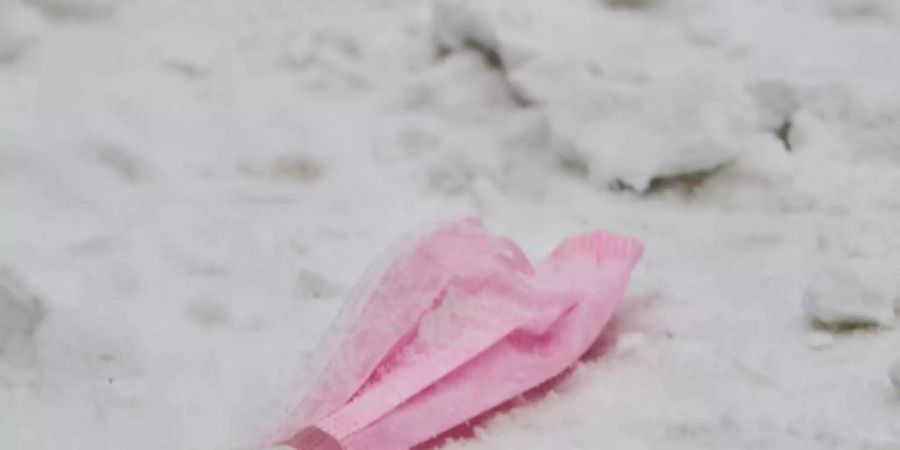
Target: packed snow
189	188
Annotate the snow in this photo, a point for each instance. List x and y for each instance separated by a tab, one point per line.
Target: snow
20	26
895	374
625	124
839	296
189	188
84	9
20	315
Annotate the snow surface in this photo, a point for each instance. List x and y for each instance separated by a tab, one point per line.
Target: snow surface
188	188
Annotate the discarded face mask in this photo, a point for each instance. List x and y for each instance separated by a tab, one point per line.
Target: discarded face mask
454	326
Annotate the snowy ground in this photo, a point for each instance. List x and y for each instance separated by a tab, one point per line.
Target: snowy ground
189	188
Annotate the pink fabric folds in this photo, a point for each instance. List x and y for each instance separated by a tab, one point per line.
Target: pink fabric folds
456	324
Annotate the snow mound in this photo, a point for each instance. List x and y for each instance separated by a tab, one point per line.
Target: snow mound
20	25
638	132
457	26
627	118
841	296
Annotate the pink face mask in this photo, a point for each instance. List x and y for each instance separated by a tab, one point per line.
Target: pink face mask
455	325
